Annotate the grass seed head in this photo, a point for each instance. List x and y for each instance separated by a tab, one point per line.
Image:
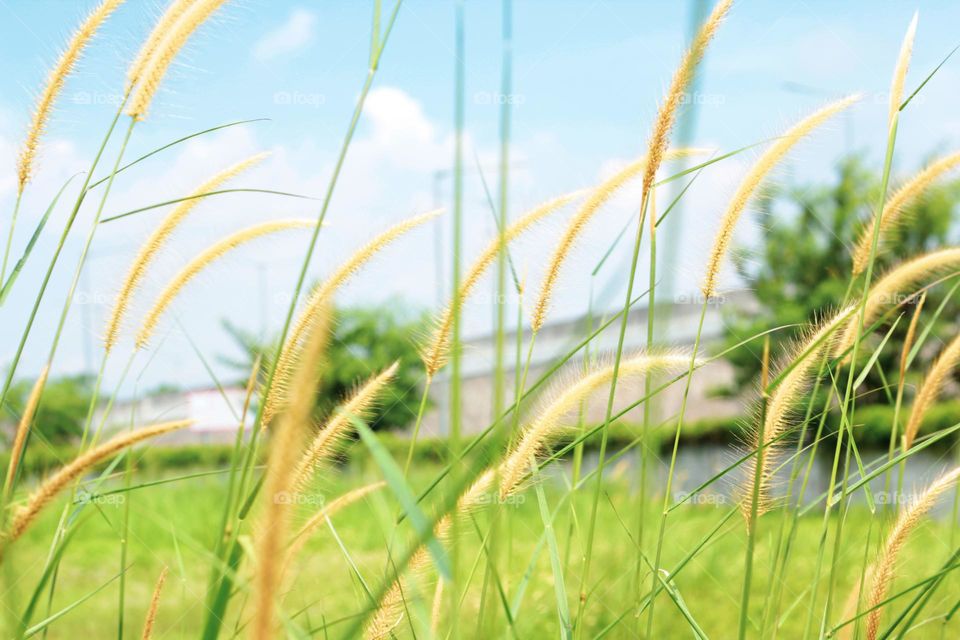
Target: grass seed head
754	178
54	87
203	260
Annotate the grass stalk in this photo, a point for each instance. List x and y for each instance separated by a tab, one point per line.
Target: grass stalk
232	552
847	405
13	224
68	225
604	432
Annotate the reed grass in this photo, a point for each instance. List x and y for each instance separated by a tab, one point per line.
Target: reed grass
46	102
755	177
52	486
302	536
897	286
436	351
319	298
598	197
168	19
279	483
898	207
202	261
682	78
537	435
175	28
798	367
506	477
324	445
884	567
492	562
54	87
940	371
20	435
155	242
151	618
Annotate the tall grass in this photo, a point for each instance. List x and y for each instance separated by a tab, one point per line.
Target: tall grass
320	526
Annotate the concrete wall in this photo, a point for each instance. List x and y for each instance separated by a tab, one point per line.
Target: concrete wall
215	415
680	322
216	422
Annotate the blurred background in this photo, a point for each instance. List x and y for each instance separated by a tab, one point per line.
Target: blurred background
586	78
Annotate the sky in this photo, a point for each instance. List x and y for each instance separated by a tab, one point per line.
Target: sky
587	78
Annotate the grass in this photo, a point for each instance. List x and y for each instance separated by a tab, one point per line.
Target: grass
522	545
172	525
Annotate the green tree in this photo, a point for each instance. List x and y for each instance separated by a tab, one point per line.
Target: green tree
800	268
365	341
62	409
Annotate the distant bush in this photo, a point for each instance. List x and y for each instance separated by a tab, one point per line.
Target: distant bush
872	423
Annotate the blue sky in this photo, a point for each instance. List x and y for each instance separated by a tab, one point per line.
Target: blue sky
587	78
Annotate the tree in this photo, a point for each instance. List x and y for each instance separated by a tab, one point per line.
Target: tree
800	269
365	341
62	409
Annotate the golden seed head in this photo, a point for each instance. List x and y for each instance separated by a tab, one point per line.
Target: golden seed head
900	71
158	62
23	428
278	483
754	178
201	262
803	358
667	114
157	239
898	285
896	206
170	17
332	433
52	486
940	371
154	605
598	197
911	335
321	295
434	355
538	434
885	566
54	87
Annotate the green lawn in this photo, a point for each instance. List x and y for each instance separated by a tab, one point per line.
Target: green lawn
173	524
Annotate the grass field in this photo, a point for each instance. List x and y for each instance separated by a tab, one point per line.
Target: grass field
509	529
172	525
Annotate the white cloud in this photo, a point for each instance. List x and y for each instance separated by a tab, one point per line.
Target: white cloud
293	35
388	176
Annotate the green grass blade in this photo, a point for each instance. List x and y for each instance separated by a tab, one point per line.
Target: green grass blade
40	626
207	194
175	143
393	475
556	563
929	77
33	240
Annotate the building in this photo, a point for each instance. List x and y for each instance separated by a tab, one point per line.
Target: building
215	412
679	322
